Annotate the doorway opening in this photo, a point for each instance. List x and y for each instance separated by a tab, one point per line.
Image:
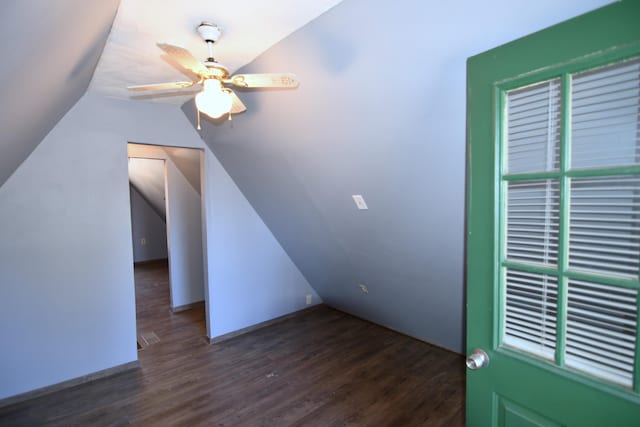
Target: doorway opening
167	240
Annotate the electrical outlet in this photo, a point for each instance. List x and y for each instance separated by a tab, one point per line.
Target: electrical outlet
143	241
309	298
364	288
359	201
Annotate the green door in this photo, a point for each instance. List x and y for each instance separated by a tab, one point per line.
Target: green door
553	225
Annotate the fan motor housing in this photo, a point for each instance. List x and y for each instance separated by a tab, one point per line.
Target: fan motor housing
209	32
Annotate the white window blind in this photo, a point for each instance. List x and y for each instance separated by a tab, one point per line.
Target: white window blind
604	116
605	225
533	128
530	319
601	330
532	221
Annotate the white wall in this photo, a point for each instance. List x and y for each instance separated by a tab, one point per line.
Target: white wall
186	273
66	276
148	225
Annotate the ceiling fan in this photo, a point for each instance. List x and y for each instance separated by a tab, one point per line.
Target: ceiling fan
215	100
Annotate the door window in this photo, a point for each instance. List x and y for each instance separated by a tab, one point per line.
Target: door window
570	223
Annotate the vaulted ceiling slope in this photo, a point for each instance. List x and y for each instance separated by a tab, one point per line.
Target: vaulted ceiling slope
380	112
49	51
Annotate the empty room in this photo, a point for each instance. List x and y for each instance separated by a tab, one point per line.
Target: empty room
321	213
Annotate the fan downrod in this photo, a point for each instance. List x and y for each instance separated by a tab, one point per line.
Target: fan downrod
211	33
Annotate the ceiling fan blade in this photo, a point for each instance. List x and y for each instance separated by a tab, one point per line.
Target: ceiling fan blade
236	105
184	58
275	80
161	86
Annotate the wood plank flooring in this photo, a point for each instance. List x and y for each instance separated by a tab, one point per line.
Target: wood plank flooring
320	368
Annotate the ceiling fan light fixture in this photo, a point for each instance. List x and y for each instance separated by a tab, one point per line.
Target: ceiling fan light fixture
214	101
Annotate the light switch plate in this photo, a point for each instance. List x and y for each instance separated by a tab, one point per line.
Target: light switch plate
359	200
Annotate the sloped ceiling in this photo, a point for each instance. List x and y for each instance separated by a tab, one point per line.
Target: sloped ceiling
147	176
380	112
49	51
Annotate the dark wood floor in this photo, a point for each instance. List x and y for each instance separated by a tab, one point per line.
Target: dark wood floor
319	368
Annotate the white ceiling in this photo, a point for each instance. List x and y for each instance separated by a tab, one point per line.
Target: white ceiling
249	27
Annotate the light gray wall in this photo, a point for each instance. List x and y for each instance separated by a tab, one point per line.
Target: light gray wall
184	224
148	225
65	253
380	112
65	257
49	52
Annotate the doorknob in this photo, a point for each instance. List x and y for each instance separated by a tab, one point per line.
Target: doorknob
478	359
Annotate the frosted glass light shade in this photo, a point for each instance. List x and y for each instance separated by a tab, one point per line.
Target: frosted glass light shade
213	101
